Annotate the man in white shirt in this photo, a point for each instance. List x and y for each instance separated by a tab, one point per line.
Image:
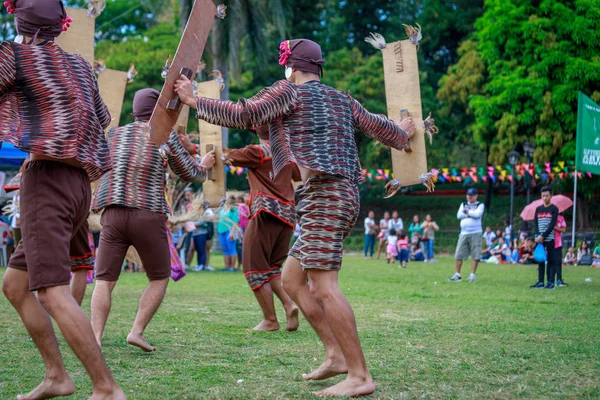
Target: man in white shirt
370	229
396	223
469	240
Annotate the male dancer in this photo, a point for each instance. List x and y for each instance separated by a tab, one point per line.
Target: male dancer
50	107
269	231
313	125
132	196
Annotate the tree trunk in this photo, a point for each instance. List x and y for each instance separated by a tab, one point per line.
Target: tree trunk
583	212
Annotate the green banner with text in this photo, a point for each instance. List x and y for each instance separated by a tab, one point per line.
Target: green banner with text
588	135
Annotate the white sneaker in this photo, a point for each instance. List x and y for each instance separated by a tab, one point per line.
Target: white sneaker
199	268
472	278
425	260
209	268
456	278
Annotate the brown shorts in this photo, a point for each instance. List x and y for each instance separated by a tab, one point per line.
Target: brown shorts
55	203
81	254
327	208
145	230
266	245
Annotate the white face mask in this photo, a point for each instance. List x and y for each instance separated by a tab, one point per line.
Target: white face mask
288	72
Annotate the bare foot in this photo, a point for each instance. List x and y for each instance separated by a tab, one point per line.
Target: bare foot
115	394
140	342
267	326
331	367
292	322
350	387
49	389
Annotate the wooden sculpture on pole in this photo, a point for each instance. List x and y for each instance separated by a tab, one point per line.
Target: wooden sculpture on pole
185	62
79	39
403	97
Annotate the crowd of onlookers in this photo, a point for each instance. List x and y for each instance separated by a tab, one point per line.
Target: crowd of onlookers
414	243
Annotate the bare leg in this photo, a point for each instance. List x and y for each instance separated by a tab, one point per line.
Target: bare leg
78	333
296	285
37	322
291	311
474	264
149	303
78	285
458	266
264	296
379	248
100	307
324	286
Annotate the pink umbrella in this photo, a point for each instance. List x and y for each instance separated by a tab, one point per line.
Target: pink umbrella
560	201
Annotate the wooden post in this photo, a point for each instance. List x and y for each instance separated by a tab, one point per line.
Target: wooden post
211	138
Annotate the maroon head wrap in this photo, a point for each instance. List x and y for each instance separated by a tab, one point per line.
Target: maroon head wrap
44	19
144	102
302	54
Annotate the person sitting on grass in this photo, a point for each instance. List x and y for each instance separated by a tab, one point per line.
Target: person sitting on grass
583	253
596	257
403	250
487	253
570	257
416	253
497	249
526	252
392	246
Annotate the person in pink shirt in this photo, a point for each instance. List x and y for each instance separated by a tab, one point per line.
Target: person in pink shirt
559	229
403	250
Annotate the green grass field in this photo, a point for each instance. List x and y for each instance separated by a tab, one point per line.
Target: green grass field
423	336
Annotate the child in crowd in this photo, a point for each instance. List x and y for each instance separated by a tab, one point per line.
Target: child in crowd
403	250
526	252
417	253
392	246
570	257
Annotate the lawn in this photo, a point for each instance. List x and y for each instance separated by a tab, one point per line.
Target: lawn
424	337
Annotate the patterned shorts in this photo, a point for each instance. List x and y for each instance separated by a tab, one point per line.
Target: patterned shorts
327	208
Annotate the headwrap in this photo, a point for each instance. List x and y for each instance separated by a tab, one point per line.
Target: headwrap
302	54
44	19
144	102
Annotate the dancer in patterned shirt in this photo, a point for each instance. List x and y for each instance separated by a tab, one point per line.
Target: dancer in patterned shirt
313	125
132	196
267	237
50	107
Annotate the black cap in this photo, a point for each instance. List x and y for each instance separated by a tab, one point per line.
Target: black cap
471	191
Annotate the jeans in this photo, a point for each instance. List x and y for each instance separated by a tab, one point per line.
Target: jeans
200	245
369	244
429	249
551	266
403	255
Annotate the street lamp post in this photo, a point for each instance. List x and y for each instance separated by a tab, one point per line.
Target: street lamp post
528	149
513	158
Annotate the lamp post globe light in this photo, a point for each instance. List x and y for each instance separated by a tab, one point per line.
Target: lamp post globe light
528	149
513	158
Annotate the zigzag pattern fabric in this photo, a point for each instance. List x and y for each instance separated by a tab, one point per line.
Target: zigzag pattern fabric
50	105
311	125
138	171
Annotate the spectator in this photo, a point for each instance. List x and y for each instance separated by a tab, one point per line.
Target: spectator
507	231
228	218
510	253
383	231
199	237
526	252
596	257
416	253
524	231
244	214
392	246
415	227
403	250
559	229
429	227
488	251
544	222
370	229
498	249
469	241
396	223
499	234
571	257
489	236
15	223
583	254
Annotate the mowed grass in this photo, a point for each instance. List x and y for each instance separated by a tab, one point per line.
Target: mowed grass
423	337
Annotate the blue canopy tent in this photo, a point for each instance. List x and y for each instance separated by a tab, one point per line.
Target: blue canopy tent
10	156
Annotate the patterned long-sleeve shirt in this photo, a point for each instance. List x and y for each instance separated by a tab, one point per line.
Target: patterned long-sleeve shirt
311	125
50	105
544	221
273	196
137	177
